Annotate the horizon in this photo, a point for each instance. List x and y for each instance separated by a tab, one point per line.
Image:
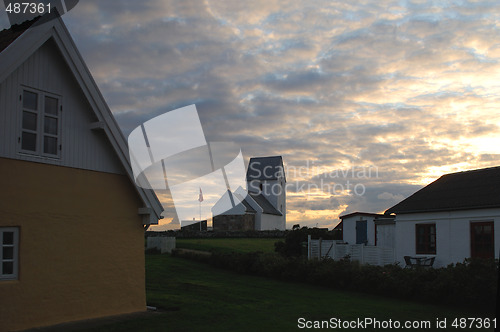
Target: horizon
410	88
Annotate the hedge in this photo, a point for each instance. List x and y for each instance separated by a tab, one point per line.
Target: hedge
471	284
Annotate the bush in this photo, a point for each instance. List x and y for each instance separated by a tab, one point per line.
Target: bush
295	243
471	284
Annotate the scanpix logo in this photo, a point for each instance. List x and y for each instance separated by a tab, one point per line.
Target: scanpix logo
21	11
170	153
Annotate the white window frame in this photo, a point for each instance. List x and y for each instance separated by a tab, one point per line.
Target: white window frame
15	256
40	123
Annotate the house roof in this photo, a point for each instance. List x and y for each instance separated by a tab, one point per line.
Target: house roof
364	214
7	36
263	202
476	189
20	41
247	205
265	168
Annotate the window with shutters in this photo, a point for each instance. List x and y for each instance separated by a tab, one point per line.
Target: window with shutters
40	123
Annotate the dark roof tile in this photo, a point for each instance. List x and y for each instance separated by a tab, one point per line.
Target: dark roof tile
7	36
266	206
474	189
265	168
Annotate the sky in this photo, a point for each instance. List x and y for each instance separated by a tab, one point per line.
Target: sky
366	101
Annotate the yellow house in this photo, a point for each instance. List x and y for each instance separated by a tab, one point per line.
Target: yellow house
72	219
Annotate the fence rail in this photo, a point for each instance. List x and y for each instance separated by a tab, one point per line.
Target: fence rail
334	249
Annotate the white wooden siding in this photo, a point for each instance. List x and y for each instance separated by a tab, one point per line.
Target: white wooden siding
45	70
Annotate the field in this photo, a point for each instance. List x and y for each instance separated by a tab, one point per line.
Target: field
197	297
228	245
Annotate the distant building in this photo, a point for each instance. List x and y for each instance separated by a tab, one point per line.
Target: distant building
190	225
262	206
367	228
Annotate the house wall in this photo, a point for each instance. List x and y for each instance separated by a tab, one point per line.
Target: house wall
452	234
275	192
244	222
81	248
271	222
45	70
224	206
385	235
349	229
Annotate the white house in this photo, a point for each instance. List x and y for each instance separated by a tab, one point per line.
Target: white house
453	218
367	228
262	206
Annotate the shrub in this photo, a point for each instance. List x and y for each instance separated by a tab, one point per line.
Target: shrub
296	240
470	284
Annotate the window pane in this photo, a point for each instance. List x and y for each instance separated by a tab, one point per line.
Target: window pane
50	125
8	267
51	105
29	120
30	100
50	145
8	238
8	253
28	141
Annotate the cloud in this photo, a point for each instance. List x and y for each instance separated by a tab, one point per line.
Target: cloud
409	87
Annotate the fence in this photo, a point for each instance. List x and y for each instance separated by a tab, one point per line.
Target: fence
334	249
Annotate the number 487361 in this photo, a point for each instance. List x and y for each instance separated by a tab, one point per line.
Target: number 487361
27	7
477	323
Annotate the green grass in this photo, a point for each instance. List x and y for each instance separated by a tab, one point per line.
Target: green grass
242	245
198	297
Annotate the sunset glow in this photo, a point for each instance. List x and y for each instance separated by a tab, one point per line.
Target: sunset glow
409	87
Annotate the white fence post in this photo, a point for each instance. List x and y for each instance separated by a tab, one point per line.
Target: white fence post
319	242
309	247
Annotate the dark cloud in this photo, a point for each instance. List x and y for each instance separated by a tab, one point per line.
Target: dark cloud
408	87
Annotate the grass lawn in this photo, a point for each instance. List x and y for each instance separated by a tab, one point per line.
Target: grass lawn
198	297
241	245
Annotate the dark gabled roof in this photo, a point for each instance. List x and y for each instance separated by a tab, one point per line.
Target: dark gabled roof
265	168
474	189
7	36
266	206
365	214
248	208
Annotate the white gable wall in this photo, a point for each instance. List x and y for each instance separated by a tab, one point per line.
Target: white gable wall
349	229
452	234
271	222
46	71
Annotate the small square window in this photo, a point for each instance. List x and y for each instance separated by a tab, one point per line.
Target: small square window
29	120
8	252
8	238
50	125
30	100
50	145
51	105
8	268
28	141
